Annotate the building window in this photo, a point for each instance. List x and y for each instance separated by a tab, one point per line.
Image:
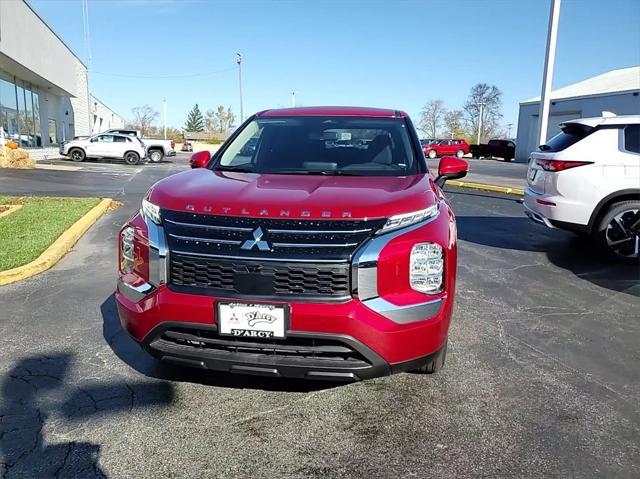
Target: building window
8	112
53	132
36	119
23	119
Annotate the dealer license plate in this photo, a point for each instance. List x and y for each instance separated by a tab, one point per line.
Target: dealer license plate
252	320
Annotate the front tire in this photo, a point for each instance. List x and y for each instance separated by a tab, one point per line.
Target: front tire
77	155
436	363
156	156
131	158
618	231
460	153
432	154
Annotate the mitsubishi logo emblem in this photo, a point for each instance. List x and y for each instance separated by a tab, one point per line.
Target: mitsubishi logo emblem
257	240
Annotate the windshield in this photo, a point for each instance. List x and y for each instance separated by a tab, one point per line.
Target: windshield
322	146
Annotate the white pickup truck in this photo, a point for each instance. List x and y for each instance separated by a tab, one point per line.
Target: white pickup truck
156	149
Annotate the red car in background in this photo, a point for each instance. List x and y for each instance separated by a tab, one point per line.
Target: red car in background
454	146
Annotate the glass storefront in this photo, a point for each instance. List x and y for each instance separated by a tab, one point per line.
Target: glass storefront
19	113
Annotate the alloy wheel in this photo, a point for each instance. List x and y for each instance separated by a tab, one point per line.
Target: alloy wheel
623	234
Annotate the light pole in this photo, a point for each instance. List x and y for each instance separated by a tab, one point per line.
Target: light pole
547	79
164	116
293	99
509	125
239	62
481	105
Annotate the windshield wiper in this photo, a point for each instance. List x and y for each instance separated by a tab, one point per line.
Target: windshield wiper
235	169
313	172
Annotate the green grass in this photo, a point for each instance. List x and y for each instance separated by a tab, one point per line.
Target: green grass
27	232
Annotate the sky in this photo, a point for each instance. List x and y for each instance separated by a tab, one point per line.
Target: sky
392	54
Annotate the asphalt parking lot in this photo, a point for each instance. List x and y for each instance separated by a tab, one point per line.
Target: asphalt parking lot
542	376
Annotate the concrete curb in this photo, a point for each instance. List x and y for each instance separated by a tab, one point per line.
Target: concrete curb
58	248
10	210
508	190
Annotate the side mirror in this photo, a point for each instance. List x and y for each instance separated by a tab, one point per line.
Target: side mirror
200	159
451	168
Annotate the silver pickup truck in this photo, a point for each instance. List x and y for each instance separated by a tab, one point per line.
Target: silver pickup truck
156	149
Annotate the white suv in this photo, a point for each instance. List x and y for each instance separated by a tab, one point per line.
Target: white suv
109	145
586	179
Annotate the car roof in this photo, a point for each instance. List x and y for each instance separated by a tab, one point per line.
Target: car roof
606	120
334	111
110	133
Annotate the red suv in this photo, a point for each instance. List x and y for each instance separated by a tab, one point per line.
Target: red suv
455	147
326	250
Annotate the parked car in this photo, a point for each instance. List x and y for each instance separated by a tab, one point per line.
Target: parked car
186	146
105	145
505	149
303	260
586	179
455	147
156	149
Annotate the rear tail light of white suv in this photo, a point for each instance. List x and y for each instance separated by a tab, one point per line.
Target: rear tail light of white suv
559	165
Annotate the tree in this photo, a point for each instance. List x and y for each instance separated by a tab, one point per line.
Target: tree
490	97
211	122
453	122
431	117
143	117
220	120
195	120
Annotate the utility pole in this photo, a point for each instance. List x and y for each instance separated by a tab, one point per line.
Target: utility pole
481	105
239	62
547	79
509	125
164	116
293	99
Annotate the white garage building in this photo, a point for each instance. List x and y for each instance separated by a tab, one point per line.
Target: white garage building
617	91
44	95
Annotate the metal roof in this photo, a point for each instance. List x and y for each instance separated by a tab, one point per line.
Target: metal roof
614	81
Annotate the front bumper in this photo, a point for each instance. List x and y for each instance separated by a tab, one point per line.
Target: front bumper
378	345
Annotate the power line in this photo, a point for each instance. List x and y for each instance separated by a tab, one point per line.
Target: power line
153	77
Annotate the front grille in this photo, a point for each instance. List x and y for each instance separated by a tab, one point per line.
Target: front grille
300	348
280	239
256	279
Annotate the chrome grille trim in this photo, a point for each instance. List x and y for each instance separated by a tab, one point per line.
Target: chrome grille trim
256	258
205	240
313	245
321	232
209	227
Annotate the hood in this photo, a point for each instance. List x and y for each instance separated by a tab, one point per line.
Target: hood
294	196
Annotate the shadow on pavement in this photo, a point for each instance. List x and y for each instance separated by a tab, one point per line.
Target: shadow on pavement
132	354
36	388
563	249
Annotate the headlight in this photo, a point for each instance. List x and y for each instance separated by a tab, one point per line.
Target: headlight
151	211
400	221
127	251
426	268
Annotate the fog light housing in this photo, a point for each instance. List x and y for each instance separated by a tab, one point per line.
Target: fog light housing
426	268
127	250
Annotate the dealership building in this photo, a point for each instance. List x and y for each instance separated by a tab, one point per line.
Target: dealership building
44	92
617	91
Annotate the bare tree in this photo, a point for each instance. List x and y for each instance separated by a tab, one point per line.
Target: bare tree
453	122
212	125
143	117
431	117
226	118
490	97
